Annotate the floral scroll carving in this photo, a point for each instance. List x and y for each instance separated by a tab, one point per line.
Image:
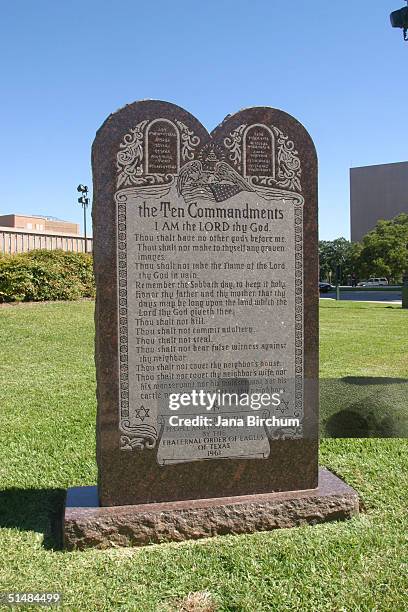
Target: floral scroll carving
289	169
188	142
129	159
234	144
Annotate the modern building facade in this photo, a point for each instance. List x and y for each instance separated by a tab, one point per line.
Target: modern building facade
376	192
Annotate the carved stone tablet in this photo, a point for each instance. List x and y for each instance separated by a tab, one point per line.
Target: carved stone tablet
162	144
259	151
205	251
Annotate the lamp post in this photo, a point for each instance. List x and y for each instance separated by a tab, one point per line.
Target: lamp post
399	19
340	261
338	280
84	201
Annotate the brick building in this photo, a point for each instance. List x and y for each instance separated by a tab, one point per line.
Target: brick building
20	233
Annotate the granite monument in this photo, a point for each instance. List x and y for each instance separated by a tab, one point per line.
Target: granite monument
206	267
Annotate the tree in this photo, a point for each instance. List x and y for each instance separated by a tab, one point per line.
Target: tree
384	250
338	252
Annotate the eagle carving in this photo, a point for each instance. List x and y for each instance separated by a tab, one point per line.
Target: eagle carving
217	185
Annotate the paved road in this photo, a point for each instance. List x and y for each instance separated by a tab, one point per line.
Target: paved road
365	296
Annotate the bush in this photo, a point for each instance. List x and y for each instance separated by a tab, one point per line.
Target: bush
46	275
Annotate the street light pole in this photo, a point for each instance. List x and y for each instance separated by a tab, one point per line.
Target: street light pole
399	19
338	281
404	300
86	240
84	201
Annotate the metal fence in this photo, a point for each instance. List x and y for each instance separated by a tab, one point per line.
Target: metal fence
19	241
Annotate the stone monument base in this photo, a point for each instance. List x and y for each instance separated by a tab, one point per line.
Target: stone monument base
86	524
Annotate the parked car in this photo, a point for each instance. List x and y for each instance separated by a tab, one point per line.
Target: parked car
374	282
325	287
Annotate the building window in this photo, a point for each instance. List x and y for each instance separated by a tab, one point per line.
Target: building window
29	226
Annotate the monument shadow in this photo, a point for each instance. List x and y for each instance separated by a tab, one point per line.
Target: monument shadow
364	407
38	510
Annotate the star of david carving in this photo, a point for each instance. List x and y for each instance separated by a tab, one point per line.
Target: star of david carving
141	413
283	407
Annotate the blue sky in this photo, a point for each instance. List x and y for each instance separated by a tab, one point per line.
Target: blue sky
338	67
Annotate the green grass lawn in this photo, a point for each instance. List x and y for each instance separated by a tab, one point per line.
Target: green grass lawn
363	370
47	430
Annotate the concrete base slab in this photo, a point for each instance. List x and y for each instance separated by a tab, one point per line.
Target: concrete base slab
86	524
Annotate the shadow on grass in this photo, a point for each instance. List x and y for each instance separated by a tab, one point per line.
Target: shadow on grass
352	424
37	510
364	407
373	380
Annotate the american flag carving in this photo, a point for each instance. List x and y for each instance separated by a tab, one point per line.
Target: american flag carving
224	191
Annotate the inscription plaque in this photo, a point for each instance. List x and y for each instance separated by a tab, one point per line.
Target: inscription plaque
162	150
206	272
259	151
